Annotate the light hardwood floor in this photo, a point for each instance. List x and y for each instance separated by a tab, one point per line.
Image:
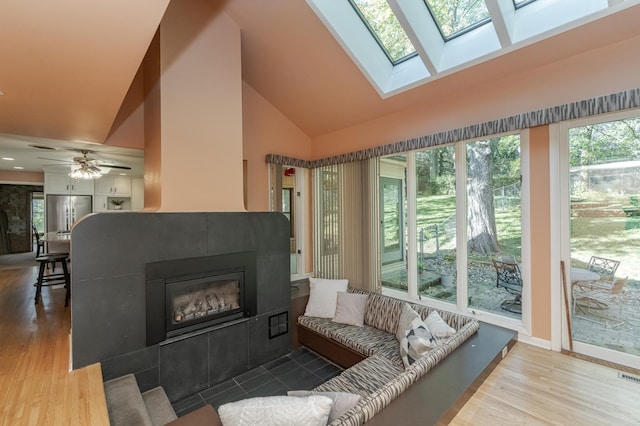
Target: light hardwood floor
534	386
531	386
36	387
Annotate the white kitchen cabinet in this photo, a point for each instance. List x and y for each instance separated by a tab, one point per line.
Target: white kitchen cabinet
59	183
114	186
100	203
137	194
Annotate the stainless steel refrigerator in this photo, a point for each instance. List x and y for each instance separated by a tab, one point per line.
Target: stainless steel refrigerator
64	210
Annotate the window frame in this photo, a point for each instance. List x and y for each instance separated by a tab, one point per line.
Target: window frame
522	325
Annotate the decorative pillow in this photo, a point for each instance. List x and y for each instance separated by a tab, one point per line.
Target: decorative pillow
407	315
277	411
350	308
323	295
416	342
342	401
438	327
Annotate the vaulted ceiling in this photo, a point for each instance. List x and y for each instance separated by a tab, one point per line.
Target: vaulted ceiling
67	65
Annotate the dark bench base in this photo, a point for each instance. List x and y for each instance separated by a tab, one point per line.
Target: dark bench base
334	351
436	397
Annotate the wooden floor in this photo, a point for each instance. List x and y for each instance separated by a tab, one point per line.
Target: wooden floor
36	387
531	386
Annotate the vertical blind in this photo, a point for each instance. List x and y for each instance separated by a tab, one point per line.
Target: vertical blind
346	223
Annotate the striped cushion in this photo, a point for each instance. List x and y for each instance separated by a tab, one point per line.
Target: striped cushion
363	378
380	378
377	399
365	340
383	313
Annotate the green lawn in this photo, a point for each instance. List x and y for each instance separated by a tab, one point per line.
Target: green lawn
439	210
598	227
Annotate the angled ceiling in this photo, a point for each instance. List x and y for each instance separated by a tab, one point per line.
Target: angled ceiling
292	59
67	65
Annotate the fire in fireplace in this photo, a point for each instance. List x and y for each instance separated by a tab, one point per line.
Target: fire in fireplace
186	295
203	298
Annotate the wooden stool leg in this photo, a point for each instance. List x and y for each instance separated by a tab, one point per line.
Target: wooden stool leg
67	282
39	283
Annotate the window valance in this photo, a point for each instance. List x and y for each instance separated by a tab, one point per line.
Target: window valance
599	105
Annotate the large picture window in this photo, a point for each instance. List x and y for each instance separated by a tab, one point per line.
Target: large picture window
463	226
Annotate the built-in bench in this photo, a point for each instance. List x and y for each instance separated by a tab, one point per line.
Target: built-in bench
376	372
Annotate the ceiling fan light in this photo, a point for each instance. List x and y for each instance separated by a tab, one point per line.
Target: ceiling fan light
84	172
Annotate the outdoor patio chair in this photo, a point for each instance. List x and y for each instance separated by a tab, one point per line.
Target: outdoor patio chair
508	277
606	268
595	299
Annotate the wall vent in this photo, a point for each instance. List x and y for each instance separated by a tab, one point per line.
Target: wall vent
629	377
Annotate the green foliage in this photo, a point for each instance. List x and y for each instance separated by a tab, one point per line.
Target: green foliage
604	142
38	214
456	15
385	25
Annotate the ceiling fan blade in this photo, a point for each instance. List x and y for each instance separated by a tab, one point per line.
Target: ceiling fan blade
111	166
55	159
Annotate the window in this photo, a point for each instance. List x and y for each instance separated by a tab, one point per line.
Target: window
287	197
436	223
385	28
494	226
462	211
521	3
456	17
412	42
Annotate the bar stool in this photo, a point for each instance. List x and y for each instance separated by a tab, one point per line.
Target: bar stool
53	278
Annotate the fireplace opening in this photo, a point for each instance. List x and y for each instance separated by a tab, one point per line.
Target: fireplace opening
201	300
186	295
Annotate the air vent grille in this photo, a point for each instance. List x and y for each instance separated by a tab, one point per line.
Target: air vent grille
629	377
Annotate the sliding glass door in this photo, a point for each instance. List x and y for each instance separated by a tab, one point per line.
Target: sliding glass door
601	169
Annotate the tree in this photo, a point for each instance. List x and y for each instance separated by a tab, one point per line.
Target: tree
482	235
604	142
456	15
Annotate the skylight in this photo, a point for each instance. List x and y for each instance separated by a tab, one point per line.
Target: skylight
400	44
521	3
459	16
384	26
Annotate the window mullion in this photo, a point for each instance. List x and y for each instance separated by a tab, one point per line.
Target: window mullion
461	225
412	226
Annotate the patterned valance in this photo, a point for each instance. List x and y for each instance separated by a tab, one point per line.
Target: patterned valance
586	108
289	161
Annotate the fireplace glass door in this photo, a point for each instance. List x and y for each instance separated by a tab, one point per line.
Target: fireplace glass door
203	299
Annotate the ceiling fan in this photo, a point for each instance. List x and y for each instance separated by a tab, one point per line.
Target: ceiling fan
88	162
88	168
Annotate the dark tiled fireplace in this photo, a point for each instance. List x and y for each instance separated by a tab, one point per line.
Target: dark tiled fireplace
186	295
116	257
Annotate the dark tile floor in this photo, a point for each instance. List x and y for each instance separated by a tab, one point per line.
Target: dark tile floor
302	369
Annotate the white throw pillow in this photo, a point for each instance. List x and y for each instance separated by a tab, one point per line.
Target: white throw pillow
350	308
438	327
418	341
407	315
342	401
323	296
277	411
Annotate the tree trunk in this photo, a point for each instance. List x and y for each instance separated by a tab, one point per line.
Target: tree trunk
482	234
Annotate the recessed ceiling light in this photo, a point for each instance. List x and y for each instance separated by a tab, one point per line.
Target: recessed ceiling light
19	168
8	158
